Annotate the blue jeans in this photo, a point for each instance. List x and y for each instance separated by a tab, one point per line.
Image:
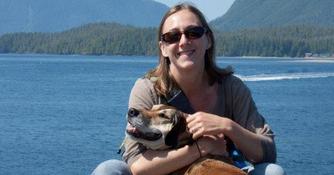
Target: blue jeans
112	167
118	167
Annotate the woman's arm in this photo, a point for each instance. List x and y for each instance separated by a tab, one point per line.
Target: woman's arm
250	144
248	129
201	124
250	123
164	162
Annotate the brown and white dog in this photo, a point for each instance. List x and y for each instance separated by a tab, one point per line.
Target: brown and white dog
164	127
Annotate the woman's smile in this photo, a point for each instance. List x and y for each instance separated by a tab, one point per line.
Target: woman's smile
186	53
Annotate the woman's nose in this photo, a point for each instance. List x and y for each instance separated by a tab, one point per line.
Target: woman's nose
183	39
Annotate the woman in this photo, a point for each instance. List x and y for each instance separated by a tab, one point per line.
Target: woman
220	104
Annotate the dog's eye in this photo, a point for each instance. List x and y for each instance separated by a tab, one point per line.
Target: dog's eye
162	115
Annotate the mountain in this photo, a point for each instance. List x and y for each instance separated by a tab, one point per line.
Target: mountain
245	14
59	15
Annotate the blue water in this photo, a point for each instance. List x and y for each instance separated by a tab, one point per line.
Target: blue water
65	114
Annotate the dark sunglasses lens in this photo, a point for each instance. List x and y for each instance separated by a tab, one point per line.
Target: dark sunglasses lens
175	36
194	33
171	37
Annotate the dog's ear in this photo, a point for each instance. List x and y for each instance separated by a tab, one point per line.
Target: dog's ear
179	126
157	107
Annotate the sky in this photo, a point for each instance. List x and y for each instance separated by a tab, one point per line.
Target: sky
211	8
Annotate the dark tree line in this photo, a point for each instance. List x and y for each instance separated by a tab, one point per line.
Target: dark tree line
115	39
292	41
92	39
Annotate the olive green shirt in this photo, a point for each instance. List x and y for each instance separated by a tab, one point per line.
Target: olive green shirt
234	101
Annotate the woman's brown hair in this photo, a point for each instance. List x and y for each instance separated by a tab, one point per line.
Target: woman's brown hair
165	82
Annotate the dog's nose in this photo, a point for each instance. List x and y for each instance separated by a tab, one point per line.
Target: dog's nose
133	112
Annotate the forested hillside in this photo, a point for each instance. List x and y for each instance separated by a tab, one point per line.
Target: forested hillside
245	14
116	39
290	41
94	39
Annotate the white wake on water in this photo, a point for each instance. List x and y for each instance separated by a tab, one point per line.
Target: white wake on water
285	76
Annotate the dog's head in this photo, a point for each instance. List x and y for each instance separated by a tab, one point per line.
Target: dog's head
158	128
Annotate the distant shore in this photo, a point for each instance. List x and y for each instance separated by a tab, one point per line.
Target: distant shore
304	59
319	59
323	58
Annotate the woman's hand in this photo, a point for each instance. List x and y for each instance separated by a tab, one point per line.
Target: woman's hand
214	145
201	123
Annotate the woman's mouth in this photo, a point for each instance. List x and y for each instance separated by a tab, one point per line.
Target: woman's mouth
185	53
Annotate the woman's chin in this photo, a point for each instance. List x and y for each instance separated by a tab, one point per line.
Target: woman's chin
187	65
186	60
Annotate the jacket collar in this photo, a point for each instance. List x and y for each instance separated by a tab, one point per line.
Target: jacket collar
179	100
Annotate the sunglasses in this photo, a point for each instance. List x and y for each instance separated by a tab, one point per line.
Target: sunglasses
190	33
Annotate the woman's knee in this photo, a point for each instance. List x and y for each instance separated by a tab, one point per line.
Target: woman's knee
112	167
268	169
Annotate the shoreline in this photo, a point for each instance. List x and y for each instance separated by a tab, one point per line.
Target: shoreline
218	57
328	58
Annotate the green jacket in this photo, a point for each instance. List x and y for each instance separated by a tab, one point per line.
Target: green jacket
235	102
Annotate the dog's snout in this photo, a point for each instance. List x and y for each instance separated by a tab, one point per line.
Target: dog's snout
133	112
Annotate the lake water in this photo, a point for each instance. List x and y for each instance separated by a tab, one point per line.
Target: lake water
65	114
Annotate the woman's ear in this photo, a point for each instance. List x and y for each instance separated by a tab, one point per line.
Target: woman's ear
163	49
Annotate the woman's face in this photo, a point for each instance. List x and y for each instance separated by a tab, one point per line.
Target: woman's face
187	53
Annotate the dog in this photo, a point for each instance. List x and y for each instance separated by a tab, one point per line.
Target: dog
163	127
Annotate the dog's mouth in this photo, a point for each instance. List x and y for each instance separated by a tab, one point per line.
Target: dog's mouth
137	130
